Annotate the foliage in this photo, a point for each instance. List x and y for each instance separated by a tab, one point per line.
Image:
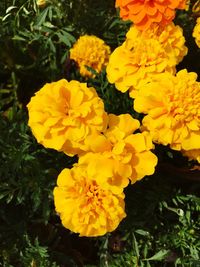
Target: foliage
162	226
163	211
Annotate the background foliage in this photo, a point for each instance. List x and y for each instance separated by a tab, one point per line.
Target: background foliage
162	227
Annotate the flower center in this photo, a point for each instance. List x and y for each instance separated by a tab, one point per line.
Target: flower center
93	191
185	107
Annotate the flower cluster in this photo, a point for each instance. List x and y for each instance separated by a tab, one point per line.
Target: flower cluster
89	197
196	32
144	55
172	105
128	152
70	117
145	66
90	51
144	13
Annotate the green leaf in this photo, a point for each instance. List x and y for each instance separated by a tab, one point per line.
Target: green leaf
63	39
18	38
65	55
142	232
41	18
159	255
69	36
49	25
6	16
114	23
135	246
10	8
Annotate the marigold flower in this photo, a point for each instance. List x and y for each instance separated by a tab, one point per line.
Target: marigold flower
86	203
90	51
144	13
129	154
117	172
196	32
62	114
170	37
172	105
145	54
130	69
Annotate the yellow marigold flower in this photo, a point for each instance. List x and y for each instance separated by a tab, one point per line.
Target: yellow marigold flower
130	69
196	32
129	154
62	114
86	203
144	13
90	51
145	54
117	172
172	105
193	154
169	37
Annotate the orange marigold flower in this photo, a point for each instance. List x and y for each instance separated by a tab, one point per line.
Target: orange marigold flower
145	54
92	52
86	203
144	13
172	105
62	114
129	154
196	32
